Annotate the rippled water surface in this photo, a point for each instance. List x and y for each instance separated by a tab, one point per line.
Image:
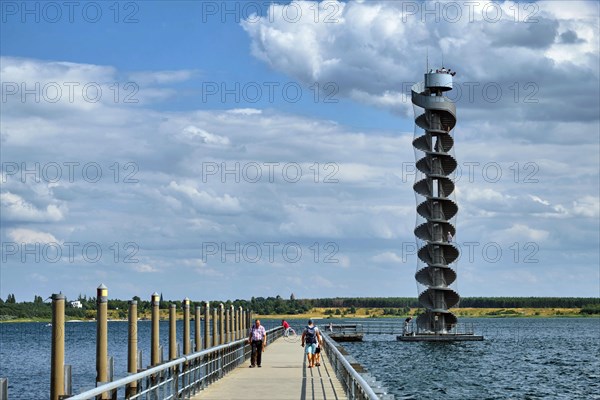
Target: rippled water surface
549	358
25	353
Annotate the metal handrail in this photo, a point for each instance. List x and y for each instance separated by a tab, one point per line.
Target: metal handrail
166	367
461	328
384	328
357	382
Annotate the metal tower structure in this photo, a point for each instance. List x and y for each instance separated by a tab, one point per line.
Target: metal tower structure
435	118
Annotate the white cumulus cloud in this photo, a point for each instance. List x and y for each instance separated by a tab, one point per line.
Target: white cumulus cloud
195	133
16	208
23	235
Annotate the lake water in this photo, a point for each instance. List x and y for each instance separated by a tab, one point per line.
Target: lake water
549	358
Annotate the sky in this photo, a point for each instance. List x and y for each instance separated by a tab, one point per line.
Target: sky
229	150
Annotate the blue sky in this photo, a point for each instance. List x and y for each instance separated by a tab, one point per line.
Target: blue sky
173	220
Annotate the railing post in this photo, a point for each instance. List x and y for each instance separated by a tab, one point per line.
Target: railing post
154	336
57	365
3	389
132	350
197	335
172	332
68	380
215	331
102	337
140	364
111	375
206	324
221	324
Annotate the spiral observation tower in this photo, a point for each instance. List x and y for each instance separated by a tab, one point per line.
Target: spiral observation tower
435	118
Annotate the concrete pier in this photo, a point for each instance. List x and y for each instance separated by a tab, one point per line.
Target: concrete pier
284	375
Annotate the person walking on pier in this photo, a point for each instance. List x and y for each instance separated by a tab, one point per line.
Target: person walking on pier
258	341
405	332
286	327
319	345
310	336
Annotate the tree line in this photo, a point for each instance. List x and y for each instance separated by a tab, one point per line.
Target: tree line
475	302
39	308
10	309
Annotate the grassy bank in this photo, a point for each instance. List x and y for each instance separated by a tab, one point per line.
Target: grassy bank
460	312
359	313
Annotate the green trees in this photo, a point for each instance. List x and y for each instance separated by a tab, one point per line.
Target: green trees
275	305
476	302
590	309
10	309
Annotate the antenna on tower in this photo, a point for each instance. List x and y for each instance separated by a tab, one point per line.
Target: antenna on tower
442	58
427	61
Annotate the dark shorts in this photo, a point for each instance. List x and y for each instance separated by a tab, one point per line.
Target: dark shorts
318	350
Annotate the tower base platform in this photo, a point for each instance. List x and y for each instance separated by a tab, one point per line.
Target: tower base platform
439	338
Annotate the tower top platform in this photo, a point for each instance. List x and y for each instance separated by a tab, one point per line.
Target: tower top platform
439	79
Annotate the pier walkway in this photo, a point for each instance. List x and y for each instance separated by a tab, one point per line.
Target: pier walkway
213	365
284	375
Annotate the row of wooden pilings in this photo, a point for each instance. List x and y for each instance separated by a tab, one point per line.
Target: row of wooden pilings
227	325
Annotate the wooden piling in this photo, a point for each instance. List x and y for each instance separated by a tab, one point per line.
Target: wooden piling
207	342
186	326
155	344
132	344
228	324
197	334
222	324
245	322
172	332
57	371
102	337
239	323
215	330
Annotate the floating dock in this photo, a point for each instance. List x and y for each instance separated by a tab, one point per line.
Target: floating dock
346	337
439	338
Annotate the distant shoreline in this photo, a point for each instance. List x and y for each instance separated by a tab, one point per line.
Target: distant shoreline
327	313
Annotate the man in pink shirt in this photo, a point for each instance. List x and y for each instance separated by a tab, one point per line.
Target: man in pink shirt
258	341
